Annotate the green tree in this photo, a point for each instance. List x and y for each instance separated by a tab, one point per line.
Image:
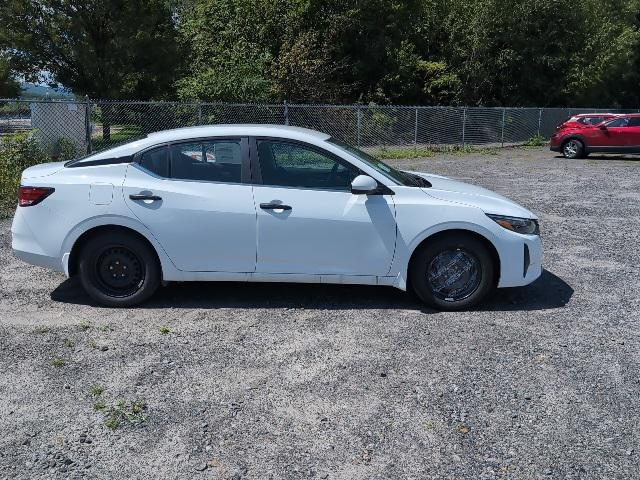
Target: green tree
9	86
112	50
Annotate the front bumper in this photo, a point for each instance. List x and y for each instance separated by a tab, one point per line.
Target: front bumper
521	263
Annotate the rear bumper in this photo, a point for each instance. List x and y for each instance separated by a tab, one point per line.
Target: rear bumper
27	247
39	260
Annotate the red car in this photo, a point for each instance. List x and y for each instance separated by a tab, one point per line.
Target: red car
619	134
586	119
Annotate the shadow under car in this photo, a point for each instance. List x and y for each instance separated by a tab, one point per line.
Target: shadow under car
548	291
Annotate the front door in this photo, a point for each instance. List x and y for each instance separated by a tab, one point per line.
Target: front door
309	222
193	198
613	135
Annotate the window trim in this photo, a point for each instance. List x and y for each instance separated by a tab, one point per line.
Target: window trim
245	164
257	171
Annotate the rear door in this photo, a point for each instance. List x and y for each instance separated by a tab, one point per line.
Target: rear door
196	199
309	222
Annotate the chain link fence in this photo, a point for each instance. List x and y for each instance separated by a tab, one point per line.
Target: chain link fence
81	127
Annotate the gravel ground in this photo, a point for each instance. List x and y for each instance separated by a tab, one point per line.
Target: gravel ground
346	382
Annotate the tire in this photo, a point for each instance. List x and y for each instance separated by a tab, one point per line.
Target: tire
119	269
472	265
573	148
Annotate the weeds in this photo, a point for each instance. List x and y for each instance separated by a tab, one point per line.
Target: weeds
123	412
42	329
69	343
84	326
164	330
536	141
96	390
58	362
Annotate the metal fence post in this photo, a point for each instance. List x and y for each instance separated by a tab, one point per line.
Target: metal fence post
415	135
464	127
504	112
87	123
286	113
358	125
539	120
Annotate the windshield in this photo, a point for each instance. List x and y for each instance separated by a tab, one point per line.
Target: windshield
403	178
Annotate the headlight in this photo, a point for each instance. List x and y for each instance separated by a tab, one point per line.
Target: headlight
527	226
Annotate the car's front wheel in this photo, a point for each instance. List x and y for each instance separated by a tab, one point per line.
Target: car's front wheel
118	269
452	272
573	148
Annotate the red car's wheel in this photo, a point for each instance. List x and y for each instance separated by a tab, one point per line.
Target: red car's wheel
573	148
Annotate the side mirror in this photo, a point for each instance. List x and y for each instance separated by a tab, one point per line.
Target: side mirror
363	185
602	127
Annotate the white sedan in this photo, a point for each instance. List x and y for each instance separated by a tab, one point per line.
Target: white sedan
267	203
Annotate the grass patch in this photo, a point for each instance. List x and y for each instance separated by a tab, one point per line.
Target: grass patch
84	326
391	153
119	134
123	412
164	330
68	343
58	362
97	390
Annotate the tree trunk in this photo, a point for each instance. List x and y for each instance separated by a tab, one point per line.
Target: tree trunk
106	123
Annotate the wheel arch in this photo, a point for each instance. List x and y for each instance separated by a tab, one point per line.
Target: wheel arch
495	256
573	136
74	254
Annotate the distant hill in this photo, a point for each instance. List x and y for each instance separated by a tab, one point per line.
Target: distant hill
31	90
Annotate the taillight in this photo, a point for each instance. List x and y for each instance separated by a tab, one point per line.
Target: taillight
29	196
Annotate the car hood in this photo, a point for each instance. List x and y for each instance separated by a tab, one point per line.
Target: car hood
445	188
42	170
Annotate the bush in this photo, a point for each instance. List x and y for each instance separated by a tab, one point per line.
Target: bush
536	141
65	149
17	152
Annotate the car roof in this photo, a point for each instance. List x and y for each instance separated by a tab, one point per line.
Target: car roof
602	114
222	130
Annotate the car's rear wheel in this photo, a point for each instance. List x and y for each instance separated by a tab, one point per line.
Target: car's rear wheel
573	148
119	269
452	272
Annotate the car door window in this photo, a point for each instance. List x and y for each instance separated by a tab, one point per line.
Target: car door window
210	161
618	122
634	122
295	165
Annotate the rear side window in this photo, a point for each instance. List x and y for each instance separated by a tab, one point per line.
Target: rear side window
156	161
211	161
634	122
208	161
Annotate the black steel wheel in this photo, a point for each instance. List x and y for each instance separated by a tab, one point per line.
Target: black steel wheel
119	272
119	269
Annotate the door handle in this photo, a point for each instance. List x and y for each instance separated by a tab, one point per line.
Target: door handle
144	196
274	206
